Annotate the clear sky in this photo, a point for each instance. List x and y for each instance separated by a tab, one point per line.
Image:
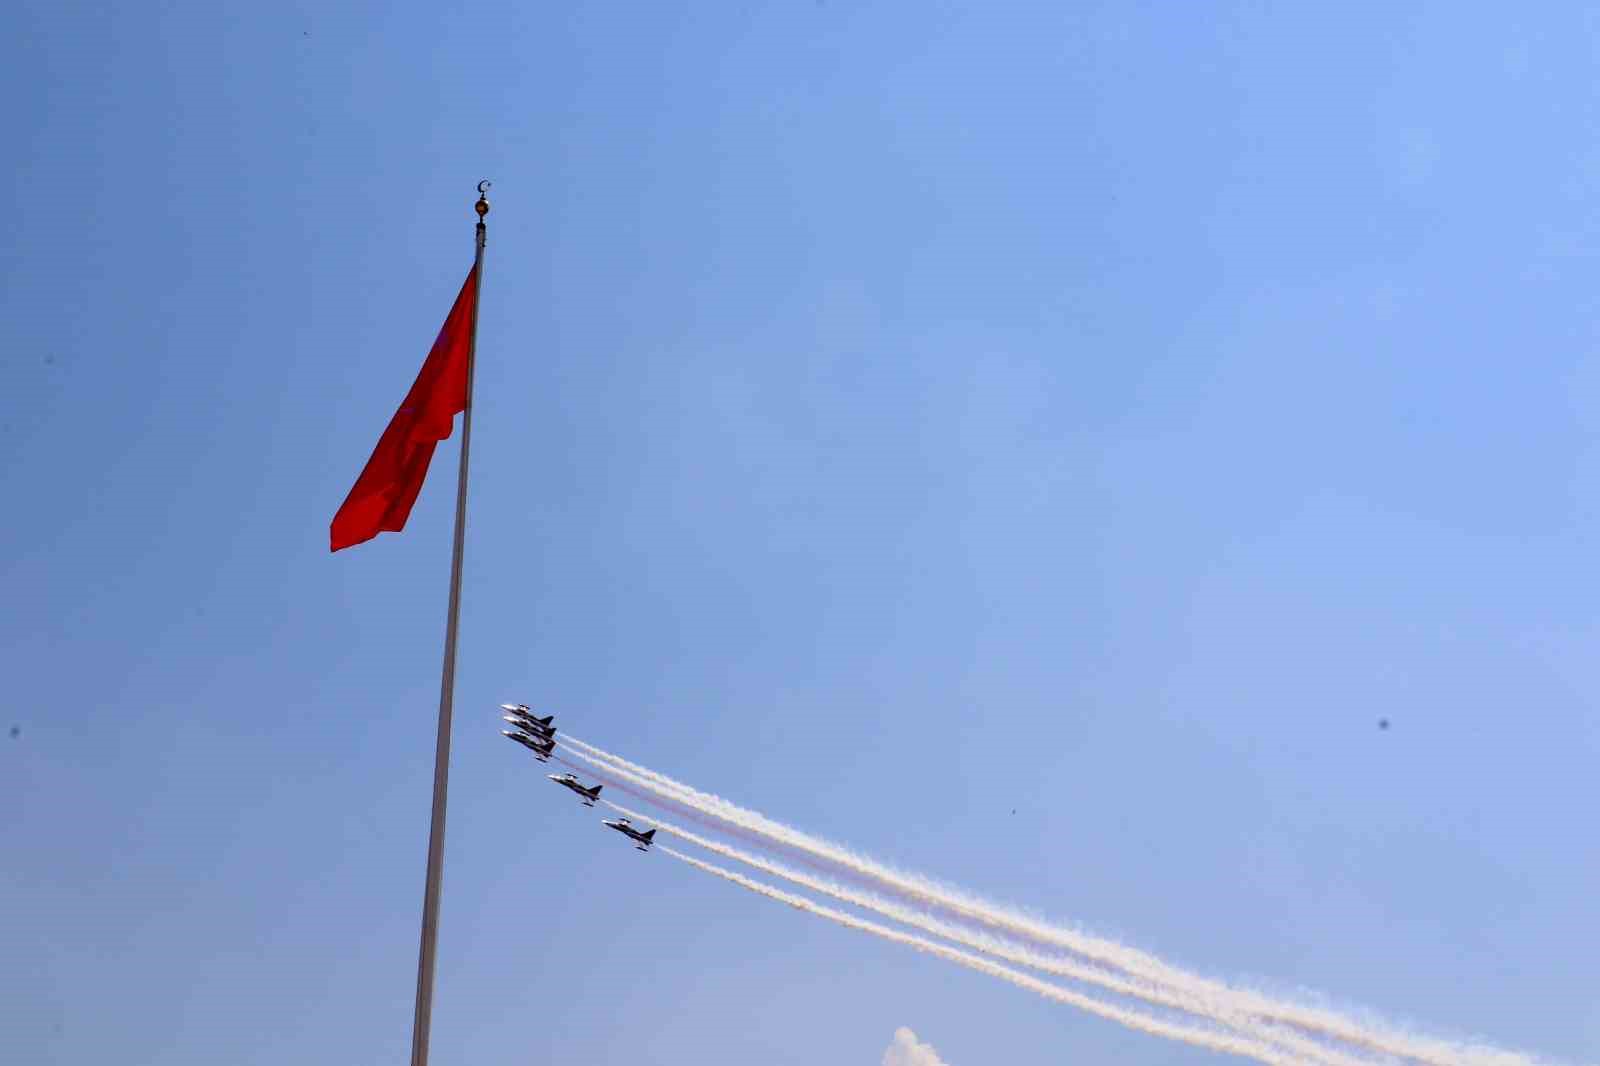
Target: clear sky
1032	442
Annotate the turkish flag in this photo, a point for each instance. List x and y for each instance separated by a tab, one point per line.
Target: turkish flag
388	486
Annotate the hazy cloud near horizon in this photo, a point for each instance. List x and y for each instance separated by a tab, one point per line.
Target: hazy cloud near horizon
907	1050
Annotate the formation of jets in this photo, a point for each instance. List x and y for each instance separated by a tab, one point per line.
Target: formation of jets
538	735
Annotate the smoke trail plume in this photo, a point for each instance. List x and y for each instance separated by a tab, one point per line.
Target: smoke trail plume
1309	1050
614	779
1376	1038
1198	1037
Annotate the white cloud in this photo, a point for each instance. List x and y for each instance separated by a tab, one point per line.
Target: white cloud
907	1050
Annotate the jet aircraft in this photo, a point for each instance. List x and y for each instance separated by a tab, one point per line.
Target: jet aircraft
528	725
525	718
571	781
541	748
641	841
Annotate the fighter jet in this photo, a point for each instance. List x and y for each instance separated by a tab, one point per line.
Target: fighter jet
530	725
521	708
571	781
641	841
542	749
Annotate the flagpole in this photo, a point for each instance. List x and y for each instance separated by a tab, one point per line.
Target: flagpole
441	753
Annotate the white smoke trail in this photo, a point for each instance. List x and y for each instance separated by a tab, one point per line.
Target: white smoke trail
1310	1050
615	780
1198	1037
1373	1037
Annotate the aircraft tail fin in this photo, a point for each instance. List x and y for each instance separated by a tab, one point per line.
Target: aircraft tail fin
595	791
649	837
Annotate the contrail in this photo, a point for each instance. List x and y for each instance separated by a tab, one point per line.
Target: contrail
1013	952
1198	1037
1137	963
614	779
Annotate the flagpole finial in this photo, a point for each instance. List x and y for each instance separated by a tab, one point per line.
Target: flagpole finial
482	206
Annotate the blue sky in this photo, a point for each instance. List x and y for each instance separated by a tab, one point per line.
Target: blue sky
890	416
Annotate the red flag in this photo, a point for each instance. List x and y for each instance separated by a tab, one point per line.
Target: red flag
388	485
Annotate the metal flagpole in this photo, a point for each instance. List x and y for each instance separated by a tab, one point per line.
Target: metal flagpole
441	751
